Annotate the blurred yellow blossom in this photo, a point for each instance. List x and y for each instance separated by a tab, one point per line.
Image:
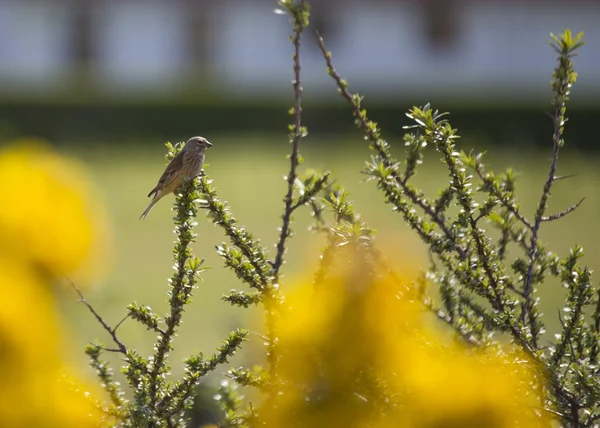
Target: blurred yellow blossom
48	228
33	392
49	215
359	350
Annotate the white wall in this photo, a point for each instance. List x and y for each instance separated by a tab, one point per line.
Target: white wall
381	47
500	49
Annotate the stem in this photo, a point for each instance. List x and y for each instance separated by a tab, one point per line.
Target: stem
272	297
182	284
380	146
112	331
561	86
296	136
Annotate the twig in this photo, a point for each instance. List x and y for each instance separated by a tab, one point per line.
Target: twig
103	348
505	202
182	284
320	222
595	346
112	331
376	144
297	135
514	289
272	298
558	119
239	236
467	337
563	213
174	401
554	413
567	331
326	259
121	322
564	177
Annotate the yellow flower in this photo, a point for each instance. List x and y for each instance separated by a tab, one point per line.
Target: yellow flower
360	350
48	215
32	391
49	227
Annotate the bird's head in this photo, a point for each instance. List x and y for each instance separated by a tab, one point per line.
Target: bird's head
198	143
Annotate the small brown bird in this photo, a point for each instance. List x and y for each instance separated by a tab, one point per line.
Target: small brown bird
186	164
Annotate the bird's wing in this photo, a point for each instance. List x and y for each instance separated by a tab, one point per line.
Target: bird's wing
175	164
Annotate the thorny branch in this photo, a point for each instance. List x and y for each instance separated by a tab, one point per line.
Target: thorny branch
527	288
182	283
379	145
111	331
563	213
239	236
297	134
564	77
506	203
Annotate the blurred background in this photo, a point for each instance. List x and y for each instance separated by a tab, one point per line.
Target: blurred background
110	81
117	70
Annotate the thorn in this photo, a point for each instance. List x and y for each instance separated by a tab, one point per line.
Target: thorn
119	323
563	213
564	177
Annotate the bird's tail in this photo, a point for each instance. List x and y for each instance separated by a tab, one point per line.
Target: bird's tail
145	213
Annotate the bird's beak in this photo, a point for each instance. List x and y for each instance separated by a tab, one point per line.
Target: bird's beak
209	144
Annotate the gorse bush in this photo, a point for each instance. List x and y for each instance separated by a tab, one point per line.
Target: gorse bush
355	344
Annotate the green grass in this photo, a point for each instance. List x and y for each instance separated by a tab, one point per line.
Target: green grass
249	175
